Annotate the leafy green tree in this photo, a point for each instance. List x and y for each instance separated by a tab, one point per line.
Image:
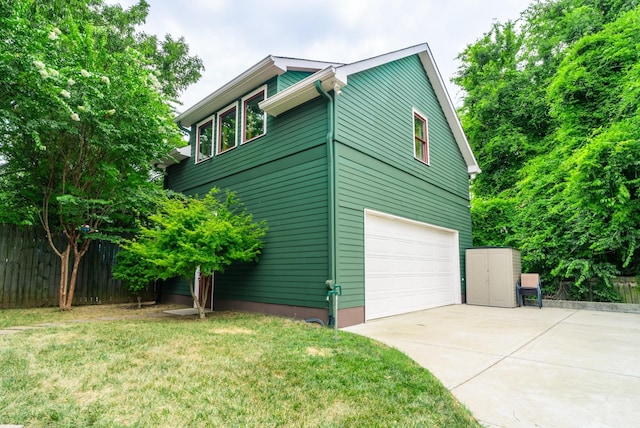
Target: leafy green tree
551	112
187	234
84	110
591	195
496	113
136	272
493	221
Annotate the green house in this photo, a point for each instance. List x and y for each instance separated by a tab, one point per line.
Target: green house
362	173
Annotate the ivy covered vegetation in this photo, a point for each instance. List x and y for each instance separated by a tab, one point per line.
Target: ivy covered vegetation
552	111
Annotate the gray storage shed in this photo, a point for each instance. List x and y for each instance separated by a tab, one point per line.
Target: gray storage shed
492	274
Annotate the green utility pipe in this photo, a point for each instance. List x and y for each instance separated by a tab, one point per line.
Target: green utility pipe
332	187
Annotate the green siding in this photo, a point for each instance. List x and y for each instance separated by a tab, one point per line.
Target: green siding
293	266
374	115
281	178
291	77
376	168
179	286
365	182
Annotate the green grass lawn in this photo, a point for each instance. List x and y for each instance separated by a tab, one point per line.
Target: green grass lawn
229	370
27	317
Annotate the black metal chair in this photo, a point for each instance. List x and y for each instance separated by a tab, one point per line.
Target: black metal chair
529	285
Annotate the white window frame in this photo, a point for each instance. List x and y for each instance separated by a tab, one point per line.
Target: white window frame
219	115
414	113
244	115
197	157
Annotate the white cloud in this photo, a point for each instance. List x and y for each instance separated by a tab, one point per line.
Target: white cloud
232	35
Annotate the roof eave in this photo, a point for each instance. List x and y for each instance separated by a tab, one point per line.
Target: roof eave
348	69
449	111
332	77
176	156
255	76
302	92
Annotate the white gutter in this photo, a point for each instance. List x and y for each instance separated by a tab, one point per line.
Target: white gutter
255	76
174	157
302	91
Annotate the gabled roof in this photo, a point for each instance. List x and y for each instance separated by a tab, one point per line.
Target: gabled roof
335	77
257	75
332	76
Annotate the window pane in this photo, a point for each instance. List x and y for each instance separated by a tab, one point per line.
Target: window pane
253	117
420	138
205	141
419	127
418	149
227	130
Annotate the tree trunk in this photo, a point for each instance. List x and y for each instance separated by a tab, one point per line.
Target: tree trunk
64	276
205	295
201	311
196	300
68	285
72	282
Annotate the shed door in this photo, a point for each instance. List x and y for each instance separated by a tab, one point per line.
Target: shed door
409	266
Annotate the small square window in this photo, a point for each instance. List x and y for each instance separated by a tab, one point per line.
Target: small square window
204	142
227	130
420	137
254	123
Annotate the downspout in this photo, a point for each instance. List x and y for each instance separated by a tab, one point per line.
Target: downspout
332	281
183	129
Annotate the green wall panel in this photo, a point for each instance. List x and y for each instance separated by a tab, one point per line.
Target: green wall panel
374	115
376	168
290	78
179	286
281	178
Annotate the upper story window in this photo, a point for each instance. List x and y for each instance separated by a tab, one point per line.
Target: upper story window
420	137
254	123
204	142
227	129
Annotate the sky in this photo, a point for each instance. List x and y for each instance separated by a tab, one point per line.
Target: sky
233	35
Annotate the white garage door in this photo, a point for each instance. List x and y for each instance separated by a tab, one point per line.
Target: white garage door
409	266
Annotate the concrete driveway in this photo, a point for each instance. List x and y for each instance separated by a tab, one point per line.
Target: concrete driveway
526	367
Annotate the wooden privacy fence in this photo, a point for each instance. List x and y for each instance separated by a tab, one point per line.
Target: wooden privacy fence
30	271
628	289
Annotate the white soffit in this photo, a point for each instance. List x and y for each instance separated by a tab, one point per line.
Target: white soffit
301	92
257	75
175	156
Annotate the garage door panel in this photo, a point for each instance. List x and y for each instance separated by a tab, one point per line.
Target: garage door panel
378	245
380	265
409	266
425	250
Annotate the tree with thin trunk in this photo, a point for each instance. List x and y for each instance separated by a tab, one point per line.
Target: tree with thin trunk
188	233
84	112
551	110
